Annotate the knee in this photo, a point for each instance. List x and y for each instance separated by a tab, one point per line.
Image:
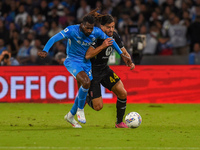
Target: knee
98	107
123	94
86	84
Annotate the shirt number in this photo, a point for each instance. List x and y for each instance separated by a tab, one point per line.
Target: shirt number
65	30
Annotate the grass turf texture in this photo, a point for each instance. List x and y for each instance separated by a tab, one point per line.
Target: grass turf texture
42	126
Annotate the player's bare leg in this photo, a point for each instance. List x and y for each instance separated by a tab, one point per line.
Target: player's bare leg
97	103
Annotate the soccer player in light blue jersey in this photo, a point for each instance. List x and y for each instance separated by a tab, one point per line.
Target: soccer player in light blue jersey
80	37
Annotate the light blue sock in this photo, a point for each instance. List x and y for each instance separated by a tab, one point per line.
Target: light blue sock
82	94
75	106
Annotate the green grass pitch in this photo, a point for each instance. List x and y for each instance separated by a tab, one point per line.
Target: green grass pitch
42	126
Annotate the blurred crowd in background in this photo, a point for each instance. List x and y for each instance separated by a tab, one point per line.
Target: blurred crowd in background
172	27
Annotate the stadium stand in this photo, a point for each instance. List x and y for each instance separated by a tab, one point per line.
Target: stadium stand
163	22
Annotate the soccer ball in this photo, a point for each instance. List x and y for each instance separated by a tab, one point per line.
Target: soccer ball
133	120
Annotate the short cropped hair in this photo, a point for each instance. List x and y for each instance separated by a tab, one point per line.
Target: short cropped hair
89	18
107	19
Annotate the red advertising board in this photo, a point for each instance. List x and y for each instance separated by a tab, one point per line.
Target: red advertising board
146	84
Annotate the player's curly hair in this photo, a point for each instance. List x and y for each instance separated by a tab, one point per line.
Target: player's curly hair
92	17
102	19
96	15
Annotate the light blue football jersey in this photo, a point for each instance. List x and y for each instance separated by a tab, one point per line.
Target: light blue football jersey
78	43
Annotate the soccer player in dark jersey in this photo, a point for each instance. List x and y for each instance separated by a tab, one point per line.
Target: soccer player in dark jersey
98	53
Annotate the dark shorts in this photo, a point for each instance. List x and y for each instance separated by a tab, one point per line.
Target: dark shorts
106	77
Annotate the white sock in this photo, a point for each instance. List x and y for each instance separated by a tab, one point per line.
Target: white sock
70	115
80	109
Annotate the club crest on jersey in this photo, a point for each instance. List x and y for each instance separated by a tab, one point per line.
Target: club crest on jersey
93	39
79	42
74	71
109	51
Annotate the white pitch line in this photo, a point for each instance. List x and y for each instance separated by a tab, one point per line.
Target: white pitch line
111	148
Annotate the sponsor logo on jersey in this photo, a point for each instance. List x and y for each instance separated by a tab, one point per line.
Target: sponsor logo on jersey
79	42
109	51
84	43
105	57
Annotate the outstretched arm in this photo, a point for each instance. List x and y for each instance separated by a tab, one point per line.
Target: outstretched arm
127	58
124	54
49	44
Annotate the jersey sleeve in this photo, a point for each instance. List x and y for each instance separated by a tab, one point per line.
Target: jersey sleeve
67	32
94	44
118	40
102	35
51	41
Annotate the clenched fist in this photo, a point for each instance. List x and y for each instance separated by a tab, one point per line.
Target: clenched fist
42	54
